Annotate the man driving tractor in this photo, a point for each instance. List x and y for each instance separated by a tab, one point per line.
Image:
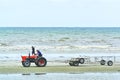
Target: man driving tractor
38	52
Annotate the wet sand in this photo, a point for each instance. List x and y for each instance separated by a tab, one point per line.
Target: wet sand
14	67
62	76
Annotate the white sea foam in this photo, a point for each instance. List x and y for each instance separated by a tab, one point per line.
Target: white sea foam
58	48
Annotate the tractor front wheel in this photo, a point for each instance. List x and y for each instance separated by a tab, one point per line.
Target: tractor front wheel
26	63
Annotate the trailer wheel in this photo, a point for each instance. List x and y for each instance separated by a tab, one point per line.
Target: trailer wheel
26	63
75	64
109	63
102	62
82	60
41	62
71	64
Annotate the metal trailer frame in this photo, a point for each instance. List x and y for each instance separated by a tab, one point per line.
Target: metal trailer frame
102	60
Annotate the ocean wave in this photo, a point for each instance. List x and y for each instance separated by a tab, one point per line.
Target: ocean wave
3	44
28	47
116	37
59	48
98	41
63	39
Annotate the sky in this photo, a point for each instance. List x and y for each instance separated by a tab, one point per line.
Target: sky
59	13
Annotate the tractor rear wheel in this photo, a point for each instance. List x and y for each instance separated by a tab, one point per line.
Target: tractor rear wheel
36	63
26	63
41	62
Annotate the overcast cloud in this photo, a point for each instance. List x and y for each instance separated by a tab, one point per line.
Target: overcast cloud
60	13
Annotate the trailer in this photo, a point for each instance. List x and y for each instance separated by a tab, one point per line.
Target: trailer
102	60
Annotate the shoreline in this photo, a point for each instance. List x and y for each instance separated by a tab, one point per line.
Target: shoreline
56	67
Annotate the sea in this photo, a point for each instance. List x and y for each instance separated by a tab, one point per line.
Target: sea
58	44
60	41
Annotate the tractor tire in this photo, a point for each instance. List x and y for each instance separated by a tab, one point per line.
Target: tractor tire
102	62
26	63
41	62
109	63
81	60
36	63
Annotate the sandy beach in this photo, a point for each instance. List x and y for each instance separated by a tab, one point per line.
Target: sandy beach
57	71
54	67
57	63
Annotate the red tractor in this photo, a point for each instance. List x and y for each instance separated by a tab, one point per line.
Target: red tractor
38	60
